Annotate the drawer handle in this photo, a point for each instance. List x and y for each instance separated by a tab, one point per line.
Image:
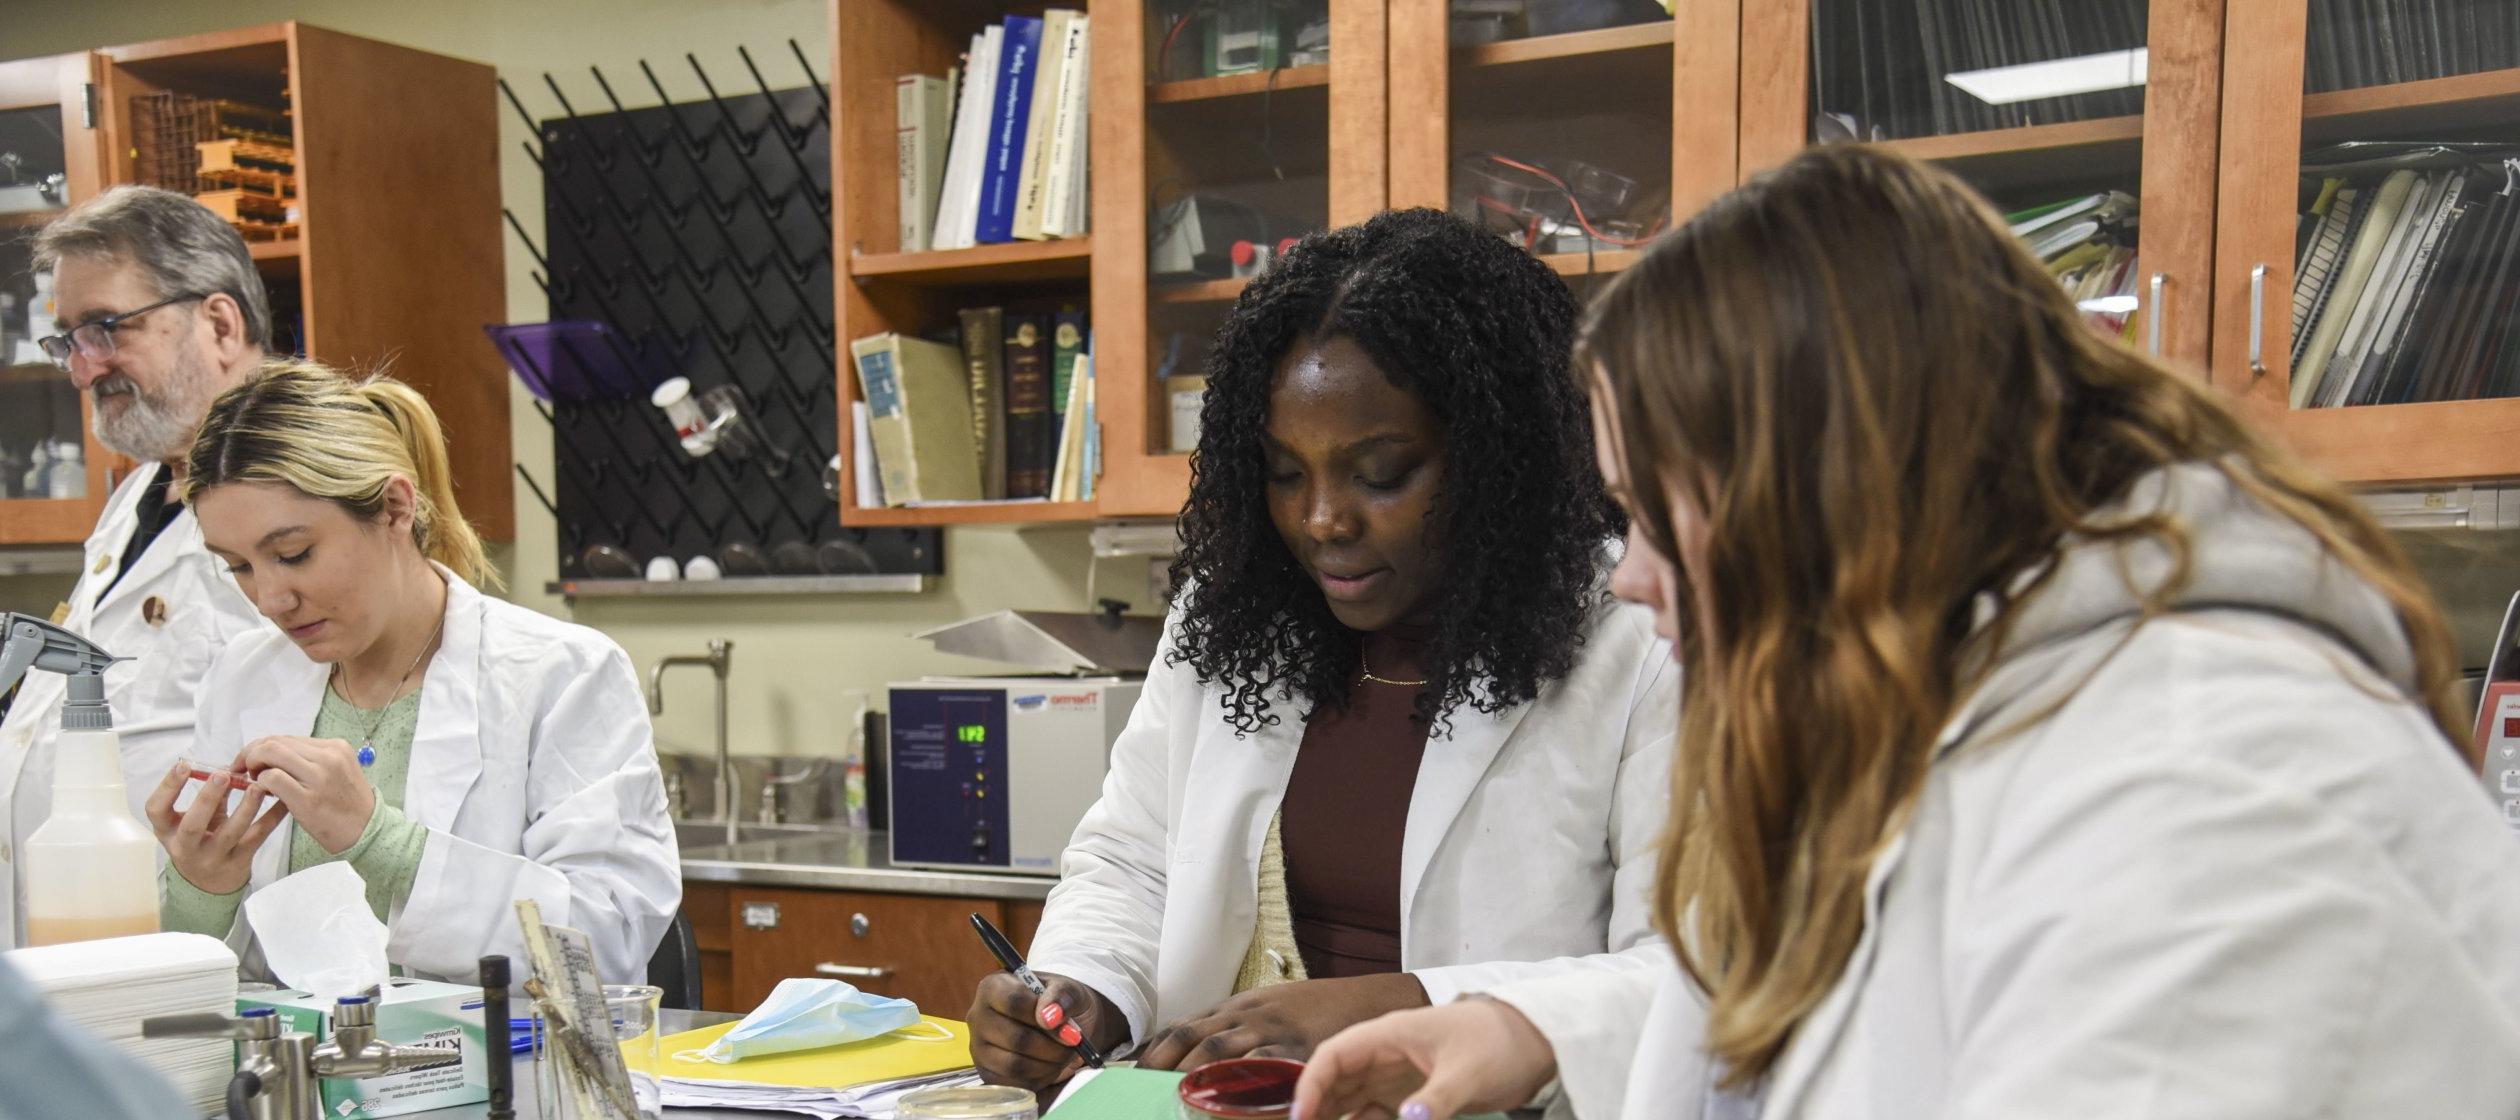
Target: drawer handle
853	971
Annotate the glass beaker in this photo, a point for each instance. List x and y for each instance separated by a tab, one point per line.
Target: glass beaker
633	1010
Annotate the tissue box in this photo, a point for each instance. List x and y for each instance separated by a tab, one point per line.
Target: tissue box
412	1013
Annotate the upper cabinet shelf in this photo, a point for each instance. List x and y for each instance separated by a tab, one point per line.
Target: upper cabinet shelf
1239	85
1012	262
1655	36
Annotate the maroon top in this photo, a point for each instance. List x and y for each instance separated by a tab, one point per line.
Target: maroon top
1346	809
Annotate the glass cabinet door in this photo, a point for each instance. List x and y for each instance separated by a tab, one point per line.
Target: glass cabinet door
1577	130
1241	127
2372	232
52	475
2046	107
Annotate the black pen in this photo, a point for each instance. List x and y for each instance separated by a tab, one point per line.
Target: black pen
1052	1015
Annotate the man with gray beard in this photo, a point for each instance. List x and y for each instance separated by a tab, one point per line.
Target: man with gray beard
159	311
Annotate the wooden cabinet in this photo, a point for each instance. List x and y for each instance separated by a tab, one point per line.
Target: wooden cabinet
917	947
2240	101
2204	134
1267	156
397	262
1650	103
2285	103
1810	66
47	124
1322	163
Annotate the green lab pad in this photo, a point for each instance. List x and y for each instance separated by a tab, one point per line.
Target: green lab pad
1123	1094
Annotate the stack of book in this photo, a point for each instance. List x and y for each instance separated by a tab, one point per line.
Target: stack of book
2357	43
2088	244
2404	285
1898	68
994	150
1001	407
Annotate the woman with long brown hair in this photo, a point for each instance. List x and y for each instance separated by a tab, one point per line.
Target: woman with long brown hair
2051	746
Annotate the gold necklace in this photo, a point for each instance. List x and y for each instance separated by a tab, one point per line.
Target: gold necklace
341	683
1368	673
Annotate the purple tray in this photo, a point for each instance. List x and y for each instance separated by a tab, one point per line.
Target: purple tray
573	361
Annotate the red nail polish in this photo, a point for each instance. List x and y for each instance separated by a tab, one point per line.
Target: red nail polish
1069	1035
1052	1014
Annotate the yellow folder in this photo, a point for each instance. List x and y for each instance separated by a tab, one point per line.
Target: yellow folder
876	1059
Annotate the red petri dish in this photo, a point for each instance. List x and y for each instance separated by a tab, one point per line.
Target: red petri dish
1240	1089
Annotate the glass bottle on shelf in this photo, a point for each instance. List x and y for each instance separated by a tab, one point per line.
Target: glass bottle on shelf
42	453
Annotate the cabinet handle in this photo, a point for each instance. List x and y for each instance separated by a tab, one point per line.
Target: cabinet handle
2257	321
853	971
2152	321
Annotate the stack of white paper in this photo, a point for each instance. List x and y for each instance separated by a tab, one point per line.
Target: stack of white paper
875	1100
109	986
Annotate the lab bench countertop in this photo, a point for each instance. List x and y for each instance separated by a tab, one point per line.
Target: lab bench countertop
842	860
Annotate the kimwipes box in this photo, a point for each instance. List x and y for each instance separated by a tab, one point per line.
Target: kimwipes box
411	1013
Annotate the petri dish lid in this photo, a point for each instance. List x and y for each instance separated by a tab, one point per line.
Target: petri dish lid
968	1102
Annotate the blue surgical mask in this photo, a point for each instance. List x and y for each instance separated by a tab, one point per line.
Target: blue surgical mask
808	1014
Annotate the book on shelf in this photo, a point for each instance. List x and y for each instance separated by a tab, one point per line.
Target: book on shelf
1063	196
1067	344
983	339
1029	435
919	414
922	108
1033	157
2356	43
958	201
2407	284
1066	476
2088	245
870	478
1090	467
1001	173
1008	136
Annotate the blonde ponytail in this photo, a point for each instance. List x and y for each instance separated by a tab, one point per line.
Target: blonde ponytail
343	440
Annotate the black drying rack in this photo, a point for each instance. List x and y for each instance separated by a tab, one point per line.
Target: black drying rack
698	234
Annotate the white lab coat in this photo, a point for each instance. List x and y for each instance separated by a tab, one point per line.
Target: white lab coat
532	769
172	614
1527	849
2236	876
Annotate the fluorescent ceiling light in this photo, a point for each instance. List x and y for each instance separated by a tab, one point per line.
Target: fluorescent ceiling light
2089	73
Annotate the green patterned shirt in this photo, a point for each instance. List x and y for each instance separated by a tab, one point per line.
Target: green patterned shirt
386	854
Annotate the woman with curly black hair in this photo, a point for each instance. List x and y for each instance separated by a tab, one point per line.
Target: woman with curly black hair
1400	745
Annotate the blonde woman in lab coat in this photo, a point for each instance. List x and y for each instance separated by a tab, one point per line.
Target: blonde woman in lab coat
458	752
1399	743
2054	746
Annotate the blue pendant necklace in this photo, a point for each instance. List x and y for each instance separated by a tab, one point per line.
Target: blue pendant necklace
341	678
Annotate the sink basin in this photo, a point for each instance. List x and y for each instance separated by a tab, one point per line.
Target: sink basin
711	834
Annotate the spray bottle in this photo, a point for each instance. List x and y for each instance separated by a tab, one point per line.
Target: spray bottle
91	870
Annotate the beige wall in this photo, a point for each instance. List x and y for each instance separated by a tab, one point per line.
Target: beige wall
796	657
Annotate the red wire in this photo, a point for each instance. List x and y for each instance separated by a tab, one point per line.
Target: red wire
1578	207
1163	55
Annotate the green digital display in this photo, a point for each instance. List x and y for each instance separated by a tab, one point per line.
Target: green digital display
971	733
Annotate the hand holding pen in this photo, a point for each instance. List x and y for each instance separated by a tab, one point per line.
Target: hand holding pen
1034	1030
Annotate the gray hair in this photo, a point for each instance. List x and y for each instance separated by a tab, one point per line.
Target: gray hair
183	247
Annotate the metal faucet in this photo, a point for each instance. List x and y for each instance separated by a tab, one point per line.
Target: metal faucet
720	652
275	1075
355	1051
773	782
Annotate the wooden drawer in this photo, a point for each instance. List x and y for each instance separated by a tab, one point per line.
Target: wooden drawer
916	947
